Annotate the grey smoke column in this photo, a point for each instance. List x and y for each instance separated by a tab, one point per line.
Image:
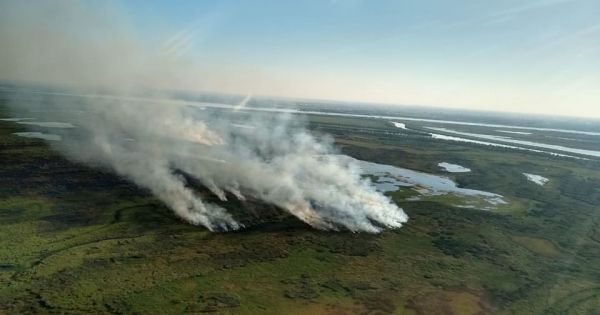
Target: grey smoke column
269	157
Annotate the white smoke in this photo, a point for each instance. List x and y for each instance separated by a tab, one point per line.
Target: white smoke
233	153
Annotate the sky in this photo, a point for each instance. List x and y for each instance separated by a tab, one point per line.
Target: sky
532	56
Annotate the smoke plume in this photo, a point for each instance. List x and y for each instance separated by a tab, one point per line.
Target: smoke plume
152	142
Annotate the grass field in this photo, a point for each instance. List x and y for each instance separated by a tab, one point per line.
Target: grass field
79	240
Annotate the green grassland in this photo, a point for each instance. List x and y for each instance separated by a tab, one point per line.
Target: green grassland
80	240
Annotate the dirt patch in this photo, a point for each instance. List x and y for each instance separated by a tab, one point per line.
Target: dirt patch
537	245
456	302
324	309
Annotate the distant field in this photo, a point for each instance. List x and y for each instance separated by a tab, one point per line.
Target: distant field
80	240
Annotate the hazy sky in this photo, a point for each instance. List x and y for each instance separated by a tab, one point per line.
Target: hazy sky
509	55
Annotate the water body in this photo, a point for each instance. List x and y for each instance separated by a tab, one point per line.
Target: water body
438	121
39	135
514	132
391	178
521	142
453	168
243	126
538	179
458	139
14	119
399	125
47	124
